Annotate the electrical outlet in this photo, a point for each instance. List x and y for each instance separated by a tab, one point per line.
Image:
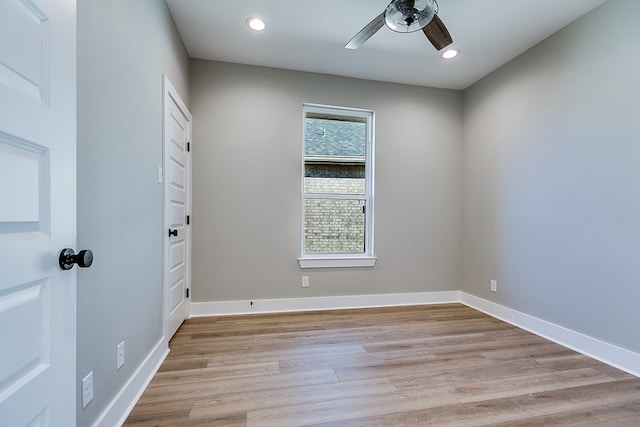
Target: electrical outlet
494	286
87	389
120	355
305	281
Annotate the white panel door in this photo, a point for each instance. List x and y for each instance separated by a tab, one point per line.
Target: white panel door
37	212
177	137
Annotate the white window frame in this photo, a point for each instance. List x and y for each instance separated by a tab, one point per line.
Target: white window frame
329	260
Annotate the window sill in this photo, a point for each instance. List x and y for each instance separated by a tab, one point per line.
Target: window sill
337	262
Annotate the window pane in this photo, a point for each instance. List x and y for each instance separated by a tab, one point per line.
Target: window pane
335	138
335	152
334	226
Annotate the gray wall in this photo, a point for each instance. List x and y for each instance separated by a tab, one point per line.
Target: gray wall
247	132
124	47
551	163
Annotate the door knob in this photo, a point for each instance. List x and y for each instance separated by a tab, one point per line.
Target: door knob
68	257
173	233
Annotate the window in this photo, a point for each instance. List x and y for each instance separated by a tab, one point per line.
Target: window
337	202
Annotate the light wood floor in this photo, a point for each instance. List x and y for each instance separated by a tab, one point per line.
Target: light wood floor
408	366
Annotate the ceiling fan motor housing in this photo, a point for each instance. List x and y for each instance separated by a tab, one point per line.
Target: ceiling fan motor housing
407	16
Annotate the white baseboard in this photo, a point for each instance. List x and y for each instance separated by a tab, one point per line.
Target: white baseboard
610	354
122	405
223	308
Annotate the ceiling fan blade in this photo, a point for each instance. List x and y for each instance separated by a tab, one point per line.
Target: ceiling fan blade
437	33
366	33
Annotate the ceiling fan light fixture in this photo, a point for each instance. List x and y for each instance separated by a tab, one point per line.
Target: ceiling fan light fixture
256	24
407	16
450	53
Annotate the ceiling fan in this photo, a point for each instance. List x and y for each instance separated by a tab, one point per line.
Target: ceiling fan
407	16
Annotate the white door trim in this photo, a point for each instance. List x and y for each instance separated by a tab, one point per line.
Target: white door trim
171	95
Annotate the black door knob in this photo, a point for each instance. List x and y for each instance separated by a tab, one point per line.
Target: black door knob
173	233
68	257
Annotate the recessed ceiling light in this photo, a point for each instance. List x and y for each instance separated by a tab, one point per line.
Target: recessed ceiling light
450	54
256	24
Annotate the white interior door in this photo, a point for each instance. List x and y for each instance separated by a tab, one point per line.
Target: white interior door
37	212
177	202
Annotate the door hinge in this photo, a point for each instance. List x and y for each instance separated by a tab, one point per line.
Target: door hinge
188	219
187	292
188	146
364	210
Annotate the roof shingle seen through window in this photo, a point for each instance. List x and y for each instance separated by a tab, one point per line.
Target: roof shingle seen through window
334	138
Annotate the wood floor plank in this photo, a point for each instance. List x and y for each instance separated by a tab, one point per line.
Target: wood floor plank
610	415
618	409
184	363
171	413
460	415
285	397
574	360
426	368
209	387
528	384
443	365
235	371
583	397
423	341
264	355
353	361
337	409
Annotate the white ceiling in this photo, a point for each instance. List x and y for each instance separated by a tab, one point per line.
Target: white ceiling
309	35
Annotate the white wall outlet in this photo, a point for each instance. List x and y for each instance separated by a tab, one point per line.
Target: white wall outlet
305	281
120	355
494	286
87	389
